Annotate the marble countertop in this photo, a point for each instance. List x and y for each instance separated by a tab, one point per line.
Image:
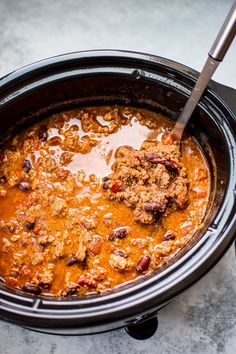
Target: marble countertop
203	319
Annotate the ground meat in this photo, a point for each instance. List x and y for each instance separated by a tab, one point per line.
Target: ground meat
81	251
9	227
119	262
45	277
59	250
140	242
45	239
59	207
66	158
37	259
151	180
6	244
90	123
95	244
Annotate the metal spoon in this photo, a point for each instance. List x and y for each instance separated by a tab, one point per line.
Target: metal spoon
215	56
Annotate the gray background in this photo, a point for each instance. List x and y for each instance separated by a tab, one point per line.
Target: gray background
203	319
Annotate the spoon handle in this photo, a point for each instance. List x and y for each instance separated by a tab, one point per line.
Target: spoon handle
216	55
225	36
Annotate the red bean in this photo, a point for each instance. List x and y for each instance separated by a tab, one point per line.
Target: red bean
71	261
105	185
26	166
170	165
153	157
43	133
3	179
29	225
32	288
12	281
143	264
120	233
151	206
169	235
24	186
87	280
156	206
120	253
116	187
72	291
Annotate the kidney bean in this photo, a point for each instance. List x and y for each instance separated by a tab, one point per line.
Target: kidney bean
12	281
169	235
116	187
72	291
3	179
143	264
154	207
105	185
26	166
43	133
120	253
170	165
120	233
87	280
32	288
24	186
71	261
29	225
151	206
153	157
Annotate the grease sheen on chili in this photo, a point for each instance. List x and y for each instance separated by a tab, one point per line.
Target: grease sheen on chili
94	197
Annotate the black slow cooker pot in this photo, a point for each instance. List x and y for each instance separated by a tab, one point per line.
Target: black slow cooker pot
101	77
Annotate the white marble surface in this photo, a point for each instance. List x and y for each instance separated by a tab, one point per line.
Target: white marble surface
203	319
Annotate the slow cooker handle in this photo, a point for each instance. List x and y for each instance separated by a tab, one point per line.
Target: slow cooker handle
228	94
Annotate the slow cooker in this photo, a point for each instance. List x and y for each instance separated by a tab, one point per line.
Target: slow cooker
141	80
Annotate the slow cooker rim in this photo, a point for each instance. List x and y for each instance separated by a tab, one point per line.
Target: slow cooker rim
93	54
161	61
